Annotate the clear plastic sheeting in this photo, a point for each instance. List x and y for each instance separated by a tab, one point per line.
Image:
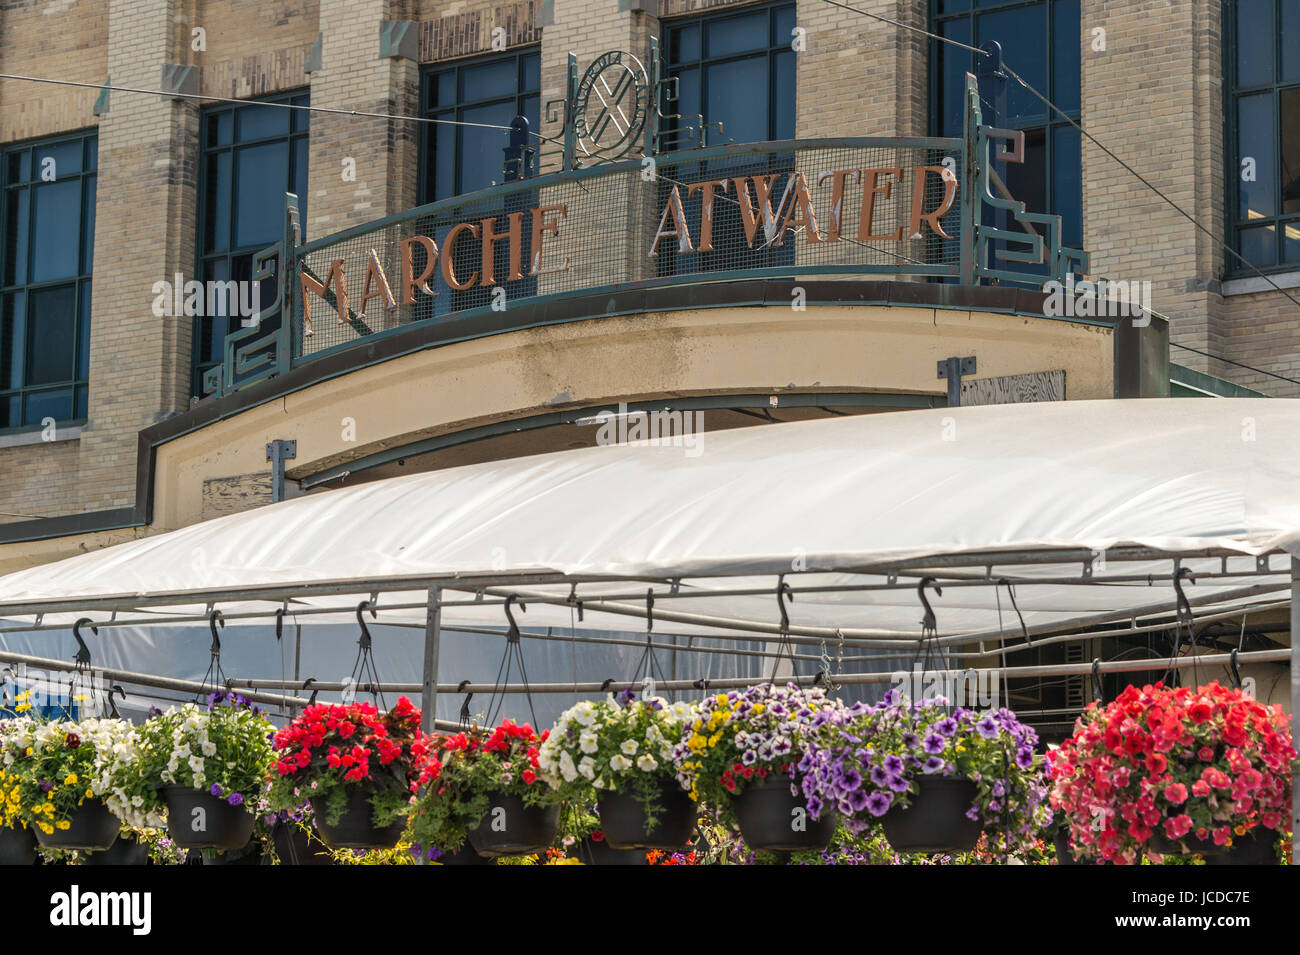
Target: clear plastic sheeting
834	502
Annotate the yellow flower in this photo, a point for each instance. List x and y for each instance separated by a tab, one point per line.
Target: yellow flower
24	695
23	708
45	827
721	699
89	794
961	749
63	825
71	780
759	708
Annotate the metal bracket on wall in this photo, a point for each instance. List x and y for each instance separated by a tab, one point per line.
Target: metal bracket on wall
277	452
953	369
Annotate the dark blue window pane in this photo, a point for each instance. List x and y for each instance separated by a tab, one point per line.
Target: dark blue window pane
298	172
783	27
92	154
446	89
48	404
301	117
1022	31
1291	242
261	174
488	81
952	6
13	321
216	184
262	122
1067	184
688	106
83	334
1255	38
1259	245
531	72
20	166
51	334
953	65
684	45
15	238
783	87
88	226
1255	143
444	160
58	161
219	128
1290	122
738	96
79	410
1290	41
532	111
482	152
1027	181
736	34
1066	56
11	411
56	230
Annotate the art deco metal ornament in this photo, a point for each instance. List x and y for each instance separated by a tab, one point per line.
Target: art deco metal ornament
609	108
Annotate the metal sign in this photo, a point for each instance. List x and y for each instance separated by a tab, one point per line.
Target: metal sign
609	108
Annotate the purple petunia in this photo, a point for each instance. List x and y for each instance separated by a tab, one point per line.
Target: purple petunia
850	780
858	800
898	784
235	799
879	776
932	765
933	743
946	727
215	789
815	806
894	764
987	727
878	803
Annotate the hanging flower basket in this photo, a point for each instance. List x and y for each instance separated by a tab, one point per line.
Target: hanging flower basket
90	827
17	846
773	818
624	820
198	819
936	820
355	827
294	845
464	855
510	828
127	850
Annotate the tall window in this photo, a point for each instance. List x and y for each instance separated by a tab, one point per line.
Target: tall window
47	205
735	69
459	159
1041	41
1263	73
251	155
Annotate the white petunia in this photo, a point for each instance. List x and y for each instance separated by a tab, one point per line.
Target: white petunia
629	747
619	763
567	769
587	742
646	763
587	766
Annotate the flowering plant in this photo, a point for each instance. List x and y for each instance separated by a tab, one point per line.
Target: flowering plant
222	747
734	738
621	745
865	759
331	748
1207	763
50	769
461	773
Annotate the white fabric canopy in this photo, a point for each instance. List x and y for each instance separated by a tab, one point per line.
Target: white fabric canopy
813	500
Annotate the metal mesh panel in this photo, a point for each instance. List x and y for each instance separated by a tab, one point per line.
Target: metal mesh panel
596	229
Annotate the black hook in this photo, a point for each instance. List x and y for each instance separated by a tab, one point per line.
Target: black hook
311	701
1096	680
464	706
604	687
782	592
1184	606
649	610
1011	592
1232	665
112	704
364	642
702	684
928	622
513	635
279	624
83	655
215	618
574	601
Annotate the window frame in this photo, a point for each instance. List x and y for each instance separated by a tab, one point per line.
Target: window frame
203	258
425	189
1049	126
1233	224
81	282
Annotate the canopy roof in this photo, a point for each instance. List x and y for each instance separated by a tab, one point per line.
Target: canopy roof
1024	491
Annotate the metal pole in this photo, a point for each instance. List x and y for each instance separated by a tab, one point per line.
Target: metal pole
432	640
1295	697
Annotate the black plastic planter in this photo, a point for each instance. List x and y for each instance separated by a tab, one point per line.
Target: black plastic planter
93	828
464	854
936	821
126	851
295	847
1175	847
1064	850
600	852
623	820
354	830
1254	848
509	828
773	820
199	820
17	847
